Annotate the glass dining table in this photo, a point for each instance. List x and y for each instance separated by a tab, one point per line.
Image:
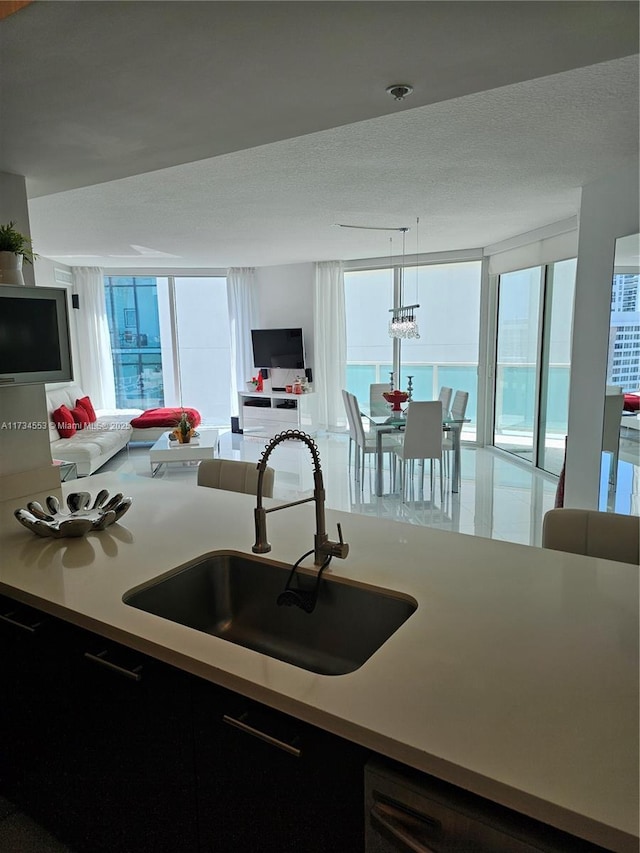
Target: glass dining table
385	424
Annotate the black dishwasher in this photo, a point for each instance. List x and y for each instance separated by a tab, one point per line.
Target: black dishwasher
410	811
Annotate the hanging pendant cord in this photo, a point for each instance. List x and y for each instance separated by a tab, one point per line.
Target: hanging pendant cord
404	240
417	229
391	267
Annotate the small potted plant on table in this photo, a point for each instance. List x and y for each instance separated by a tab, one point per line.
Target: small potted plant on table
184	430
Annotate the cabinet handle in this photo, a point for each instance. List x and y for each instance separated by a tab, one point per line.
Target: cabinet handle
7	617
134	674
244	727
405	826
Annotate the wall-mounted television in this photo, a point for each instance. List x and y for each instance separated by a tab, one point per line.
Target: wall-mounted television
34	336
278	348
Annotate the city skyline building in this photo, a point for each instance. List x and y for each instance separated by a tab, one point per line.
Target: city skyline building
624	337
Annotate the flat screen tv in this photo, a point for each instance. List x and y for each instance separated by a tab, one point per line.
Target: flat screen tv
34	336
278	348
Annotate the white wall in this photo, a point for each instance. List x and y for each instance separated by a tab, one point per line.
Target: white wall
45	273
285	300
25	455
609	209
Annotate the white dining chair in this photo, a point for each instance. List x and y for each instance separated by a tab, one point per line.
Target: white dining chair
350	423
377	404
458	411
422	440
365	442
445	398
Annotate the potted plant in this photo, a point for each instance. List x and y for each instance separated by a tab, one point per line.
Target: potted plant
184	430
14	247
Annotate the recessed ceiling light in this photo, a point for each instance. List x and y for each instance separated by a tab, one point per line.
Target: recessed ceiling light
399	91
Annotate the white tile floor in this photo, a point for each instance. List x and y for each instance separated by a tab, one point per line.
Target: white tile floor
499	498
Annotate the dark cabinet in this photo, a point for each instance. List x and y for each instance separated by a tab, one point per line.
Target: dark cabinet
131	760
96	739
34	709
268	782
115	752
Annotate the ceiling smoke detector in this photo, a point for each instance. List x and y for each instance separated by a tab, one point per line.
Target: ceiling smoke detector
399	91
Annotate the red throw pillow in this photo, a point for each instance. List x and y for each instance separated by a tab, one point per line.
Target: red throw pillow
87	405
64	421
80	417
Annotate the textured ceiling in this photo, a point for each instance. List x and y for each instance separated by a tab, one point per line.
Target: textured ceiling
214	134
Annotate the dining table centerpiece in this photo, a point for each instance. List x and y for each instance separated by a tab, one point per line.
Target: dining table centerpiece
396	398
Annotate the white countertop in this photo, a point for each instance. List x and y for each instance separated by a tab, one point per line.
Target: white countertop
516	678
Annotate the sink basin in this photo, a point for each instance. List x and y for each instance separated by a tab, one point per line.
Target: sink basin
233	596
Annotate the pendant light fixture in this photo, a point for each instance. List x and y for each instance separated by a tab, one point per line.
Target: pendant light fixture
403	323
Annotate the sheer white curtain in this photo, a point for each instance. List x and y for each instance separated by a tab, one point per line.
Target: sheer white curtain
95	372
330	341
243	315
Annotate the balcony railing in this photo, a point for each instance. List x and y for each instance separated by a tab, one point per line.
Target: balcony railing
514	395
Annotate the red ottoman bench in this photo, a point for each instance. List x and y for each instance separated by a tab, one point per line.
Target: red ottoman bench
150	425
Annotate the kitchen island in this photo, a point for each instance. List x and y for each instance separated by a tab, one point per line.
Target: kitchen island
516	678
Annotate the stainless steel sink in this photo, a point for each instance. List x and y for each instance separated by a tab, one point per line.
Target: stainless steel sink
233	596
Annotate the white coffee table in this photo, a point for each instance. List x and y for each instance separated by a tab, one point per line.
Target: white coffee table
199	448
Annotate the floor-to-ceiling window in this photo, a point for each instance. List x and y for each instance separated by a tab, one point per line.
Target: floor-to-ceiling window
517	348
170	342
535	311
556	364
368	297
203	346
623	368
446	353
620	472
132	313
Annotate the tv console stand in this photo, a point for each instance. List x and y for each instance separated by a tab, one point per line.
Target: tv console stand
270	412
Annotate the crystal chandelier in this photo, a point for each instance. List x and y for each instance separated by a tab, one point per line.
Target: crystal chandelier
403	322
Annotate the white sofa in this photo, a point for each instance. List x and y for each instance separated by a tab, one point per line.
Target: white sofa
92	446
